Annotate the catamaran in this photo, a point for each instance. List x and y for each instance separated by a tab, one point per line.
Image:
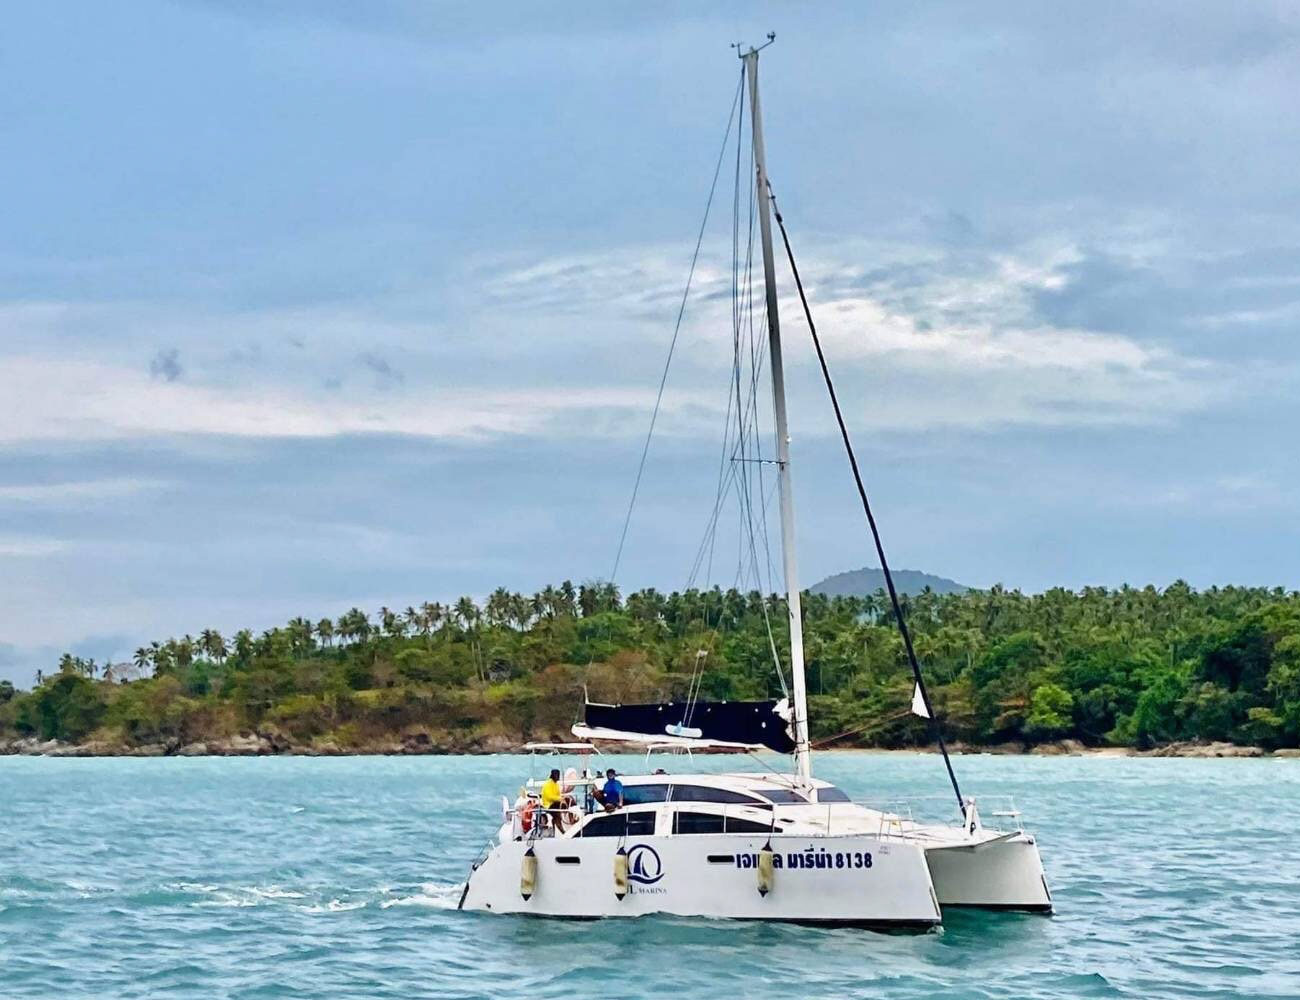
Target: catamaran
768	845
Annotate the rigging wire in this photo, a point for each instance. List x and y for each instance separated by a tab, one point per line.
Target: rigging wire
866	509
677	329
741	439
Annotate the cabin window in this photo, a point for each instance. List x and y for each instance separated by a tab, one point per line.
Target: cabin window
832	794
782	796
621	824
641	824
638	795
702	793
737	825
689	822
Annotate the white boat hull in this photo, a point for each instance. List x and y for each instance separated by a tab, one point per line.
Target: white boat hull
1002	875
851	880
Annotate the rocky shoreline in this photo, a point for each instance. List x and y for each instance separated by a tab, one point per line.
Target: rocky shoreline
273	744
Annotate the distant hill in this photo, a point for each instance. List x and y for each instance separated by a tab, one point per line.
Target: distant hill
867	580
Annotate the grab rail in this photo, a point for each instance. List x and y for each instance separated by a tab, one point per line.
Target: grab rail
884	819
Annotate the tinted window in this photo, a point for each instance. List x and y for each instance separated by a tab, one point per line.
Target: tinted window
687	822
781	795
701	793
621	824
737	825
635	795
614	825
832	794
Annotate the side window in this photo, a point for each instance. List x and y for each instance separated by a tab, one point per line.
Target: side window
621	824
701	793
689	822
737	825
782	795
613	825
832	794
636	795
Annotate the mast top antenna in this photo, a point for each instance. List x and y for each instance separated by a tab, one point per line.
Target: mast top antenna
753	49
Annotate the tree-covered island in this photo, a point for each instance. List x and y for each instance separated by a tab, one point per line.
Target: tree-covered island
1125	668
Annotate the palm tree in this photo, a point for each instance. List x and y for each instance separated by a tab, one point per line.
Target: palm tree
468	613
183	650
568	600
497	609
325	631
212	644
301	632
143	658
521	611
354	624
433	614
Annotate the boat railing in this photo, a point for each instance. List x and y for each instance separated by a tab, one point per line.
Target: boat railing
885	818
1000	811
994	811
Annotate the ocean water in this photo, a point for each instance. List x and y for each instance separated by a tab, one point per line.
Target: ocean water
312	877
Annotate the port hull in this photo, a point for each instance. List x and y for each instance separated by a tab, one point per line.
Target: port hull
860	881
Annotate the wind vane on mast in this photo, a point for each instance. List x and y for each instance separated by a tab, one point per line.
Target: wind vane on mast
754	50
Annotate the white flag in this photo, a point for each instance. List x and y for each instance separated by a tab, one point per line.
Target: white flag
918	704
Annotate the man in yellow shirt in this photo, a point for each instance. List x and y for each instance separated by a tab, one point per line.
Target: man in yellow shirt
554	799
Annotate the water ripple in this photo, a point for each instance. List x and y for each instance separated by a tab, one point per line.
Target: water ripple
325	877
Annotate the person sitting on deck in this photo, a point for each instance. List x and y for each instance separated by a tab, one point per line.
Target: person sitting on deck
611	796
554	800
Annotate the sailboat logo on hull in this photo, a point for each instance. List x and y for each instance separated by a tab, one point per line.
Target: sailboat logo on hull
644	865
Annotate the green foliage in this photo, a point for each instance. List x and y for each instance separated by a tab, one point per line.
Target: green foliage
1050	708
68	706
1127	666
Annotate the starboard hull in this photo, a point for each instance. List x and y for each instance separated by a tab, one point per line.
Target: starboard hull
1005	875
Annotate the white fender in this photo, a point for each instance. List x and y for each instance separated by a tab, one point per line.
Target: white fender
766	870
528	875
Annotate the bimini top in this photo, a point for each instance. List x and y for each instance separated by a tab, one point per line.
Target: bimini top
722	725
578	747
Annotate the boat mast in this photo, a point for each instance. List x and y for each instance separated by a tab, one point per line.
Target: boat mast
802	751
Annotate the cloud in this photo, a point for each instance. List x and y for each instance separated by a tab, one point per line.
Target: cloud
100	402
925	334
386	375
940	338
20	547
166	365
50	494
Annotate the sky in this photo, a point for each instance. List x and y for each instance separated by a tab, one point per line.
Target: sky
307	305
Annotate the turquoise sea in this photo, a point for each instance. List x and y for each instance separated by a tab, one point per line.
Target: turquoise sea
314	877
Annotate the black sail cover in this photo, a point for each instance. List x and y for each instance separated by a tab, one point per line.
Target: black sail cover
751	722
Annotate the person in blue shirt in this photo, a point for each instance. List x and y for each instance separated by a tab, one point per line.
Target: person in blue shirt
611	796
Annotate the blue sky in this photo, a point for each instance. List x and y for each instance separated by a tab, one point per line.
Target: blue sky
307	305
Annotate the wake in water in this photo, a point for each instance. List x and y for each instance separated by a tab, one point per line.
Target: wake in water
433	895
437	896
